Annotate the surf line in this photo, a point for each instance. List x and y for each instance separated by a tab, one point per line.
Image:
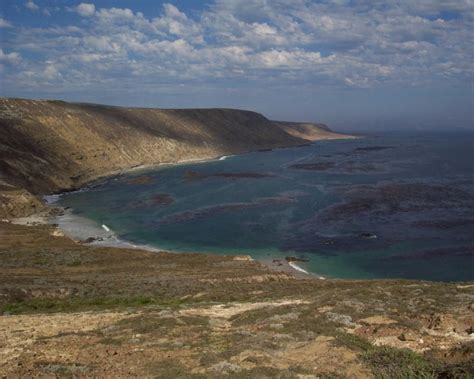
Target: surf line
297	268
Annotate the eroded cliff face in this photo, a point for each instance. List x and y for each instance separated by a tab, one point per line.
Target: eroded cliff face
18	203
51	146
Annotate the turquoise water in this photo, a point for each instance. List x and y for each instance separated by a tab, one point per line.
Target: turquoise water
397	205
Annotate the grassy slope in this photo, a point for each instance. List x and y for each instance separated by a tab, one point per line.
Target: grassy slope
85	309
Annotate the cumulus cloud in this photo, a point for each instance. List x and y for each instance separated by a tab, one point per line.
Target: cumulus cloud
50	72
12	57
31	5
85	9
4	23
291	41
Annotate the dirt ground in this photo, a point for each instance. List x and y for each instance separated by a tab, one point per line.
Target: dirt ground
73	310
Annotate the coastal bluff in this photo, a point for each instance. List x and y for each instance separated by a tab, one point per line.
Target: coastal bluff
80	309
51	146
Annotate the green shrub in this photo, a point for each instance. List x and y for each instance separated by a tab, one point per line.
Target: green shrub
390	363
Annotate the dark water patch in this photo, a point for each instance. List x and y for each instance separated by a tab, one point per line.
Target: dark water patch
324	245
342	167
372	148
352	167
389	199
444	224
159	199
162	199
211	211
195	175
380	216
139	180
320	166
451	252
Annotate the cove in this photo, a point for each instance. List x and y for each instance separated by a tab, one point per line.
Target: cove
394	205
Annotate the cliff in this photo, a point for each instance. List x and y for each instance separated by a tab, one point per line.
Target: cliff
51	146
48	146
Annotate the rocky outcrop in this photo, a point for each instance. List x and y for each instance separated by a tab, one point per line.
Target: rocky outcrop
18	203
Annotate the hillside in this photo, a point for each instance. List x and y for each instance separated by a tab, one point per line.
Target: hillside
51	146
76	310
309	131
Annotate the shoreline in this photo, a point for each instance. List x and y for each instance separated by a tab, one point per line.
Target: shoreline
93	182
81	229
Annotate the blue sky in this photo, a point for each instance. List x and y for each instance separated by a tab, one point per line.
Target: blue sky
349	63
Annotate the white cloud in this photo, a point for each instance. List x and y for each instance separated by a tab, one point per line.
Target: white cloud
51	72
31	5
85	9
9	57
4	23
290	41
115	14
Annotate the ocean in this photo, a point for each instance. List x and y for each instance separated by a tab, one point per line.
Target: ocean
391	205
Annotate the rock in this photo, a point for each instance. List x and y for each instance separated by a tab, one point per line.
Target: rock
306	335
282	337
242	258
225	368
166	314
90	240
276	326
377	320
57	233
340	319
356	305
283	318
367	236
295	259
407	336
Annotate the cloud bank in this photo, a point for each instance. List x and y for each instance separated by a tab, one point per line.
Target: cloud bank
293	43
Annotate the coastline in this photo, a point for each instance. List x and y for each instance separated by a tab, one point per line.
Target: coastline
92	182
283	266
87	232
81	229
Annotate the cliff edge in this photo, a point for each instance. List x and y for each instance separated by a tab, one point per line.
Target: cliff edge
52	146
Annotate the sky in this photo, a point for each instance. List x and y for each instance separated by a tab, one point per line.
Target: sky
353	64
